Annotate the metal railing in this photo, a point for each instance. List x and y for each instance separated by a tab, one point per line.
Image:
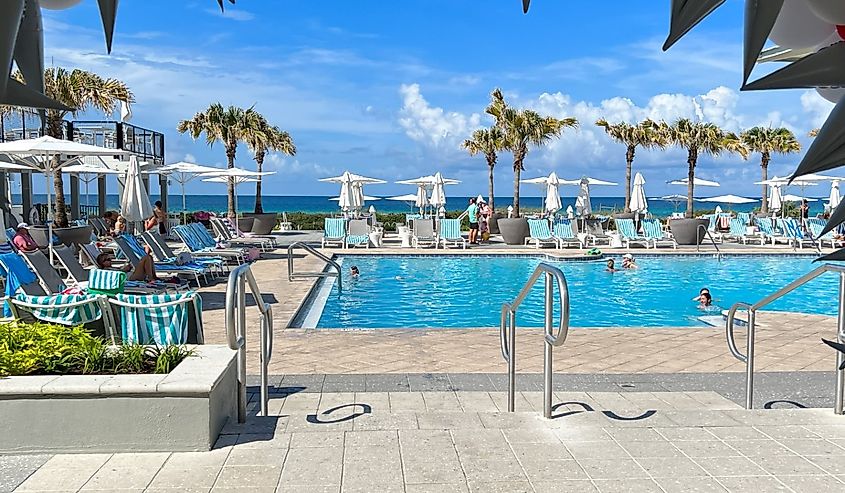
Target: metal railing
239	278
751	309
507	330
301	275
712	239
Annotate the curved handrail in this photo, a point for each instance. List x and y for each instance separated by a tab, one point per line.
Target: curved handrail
506	353
318	254
563	295
729	331
712	240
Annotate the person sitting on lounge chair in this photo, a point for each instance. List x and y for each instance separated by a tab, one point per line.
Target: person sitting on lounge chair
146	270
23	240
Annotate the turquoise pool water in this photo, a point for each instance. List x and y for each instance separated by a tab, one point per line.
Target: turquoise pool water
452	291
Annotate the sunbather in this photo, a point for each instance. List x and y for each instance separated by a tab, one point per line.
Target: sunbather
23	240
145	271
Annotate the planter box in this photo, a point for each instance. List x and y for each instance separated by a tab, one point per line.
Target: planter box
687	232
263	224
514	230
245	223
181	411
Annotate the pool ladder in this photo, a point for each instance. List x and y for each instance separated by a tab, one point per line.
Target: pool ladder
751	324
507	330
301	275
712	240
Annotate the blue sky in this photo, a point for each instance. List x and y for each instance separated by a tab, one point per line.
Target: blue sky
391	91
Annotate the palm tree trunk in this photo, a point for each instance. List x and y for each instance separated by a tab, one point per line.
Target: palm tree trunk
629	161
692	158
764	165
230	156
54	129
491	163
259	161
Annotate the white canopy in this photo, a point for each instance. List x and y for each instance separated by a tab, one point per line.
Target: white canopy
10	166
582	202
697	182
428	180
347	176
784	181
673	197
236	173
552	178
834	198
237	180
569	212
590	181
135	203
403	198
438	194
639	203
795	198
552	201
727	199
367	198
183	172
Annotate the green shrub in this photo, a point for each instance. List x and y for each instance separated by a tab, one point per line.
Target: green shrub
47	349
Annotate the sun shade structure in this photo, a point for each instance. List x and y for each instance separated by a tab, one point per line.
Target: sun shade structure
795	198
429	180
183	172
728	199
552	201
347	176
90	171
135	203
775	198
834	197
697	182
438	194
235	176
236	180
403	198
639	203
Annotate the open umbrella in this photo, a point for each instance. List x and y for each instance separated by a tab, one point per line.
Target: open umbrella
639	203
135	203
834	198
183	172
696	182
235	176
796	198
236	180
347	176
727	199
429	181
88	172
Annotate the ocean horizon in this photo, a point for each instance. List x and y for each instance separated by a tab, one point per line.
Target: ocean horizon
323	204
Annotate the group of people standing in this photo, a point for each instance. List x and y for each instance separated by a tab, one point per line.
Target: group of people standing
158	221
478	213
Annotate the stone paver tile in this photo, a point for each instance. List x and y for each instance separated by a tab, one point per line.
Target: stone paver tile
373	468
752	484
308	488
685	434
185	477
139	460
448	421
787	466
111	478
506	421
313	466
406	402
63	472
441	401
252	489
582	434
356	439
707	449
421	469
386	421
596	450
369	488
316	439
187	489
502	487
338	421
14	469
831	464
540	452
827	431
569	486
301	402
736	433
492	470
552	470
651	449
261	441
477	401
812	447
627	486
812	483
670	467
786	432
247	477
635	435
529	435
612	468
501	401
690	485
753	448
257	457
730	466
437	488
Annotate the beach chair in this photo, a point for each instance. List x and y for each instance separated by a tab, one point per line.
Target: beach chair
18	278
654	231
766	225
358	234
197	248
50	280
163	252
629	235
565	235
334	232
238	233
540	234
794	233
745	217
816	229
449	234
134	252
221	229
739	232
62	309
69	261
161	319
423	233
595	233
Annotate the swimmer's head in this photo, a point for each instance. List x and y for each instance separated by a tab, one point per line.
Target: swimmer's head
354	270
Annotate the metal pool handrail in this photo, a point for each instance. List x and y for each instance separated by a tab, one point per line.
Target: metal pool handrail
239	278
507	330
713	240
751	323
292	275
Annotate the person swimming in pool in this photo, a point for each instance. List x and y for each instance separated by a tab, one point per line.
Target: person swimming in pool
628	262
705	301
701	292
611	265
354	272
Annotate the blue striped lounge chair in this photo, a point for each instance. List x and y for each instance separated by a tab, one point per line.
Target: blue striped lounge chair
193	244
565	235
134	252
163	252
18	278
766	225
449	234
62	309
358	233
334	232
794	232
656	234
159	319
628	233
745	217
816	228
541	234
739	232
423	233
595	232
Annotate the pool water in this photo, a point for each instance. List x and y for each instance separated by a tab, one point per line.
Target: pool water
460	291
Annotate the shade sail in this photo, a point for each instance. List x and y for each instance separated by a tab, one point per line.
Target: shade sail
727	199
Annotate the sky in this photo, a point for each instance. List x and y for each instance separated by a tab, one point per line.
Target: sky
391	90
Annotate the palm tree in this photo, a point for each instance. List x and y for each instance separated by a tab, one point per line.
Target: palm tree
767	140
521	128
644	134
261	138
697	138
81	90
487	141
227	125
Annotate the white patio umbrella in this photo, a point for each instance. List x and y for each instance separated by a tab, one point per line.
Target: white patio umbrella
183	172
795	198
775	197
697	182
40	153
552	201
834	198
569	212
235	176
582	202
135	204
367	198
727	199
403	198
421	199
639	203
88	172
236	180
438	194
429	180
801	183
347	176
592	181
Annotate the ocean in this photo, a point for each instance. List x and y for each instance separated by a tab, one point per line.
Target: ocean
322	204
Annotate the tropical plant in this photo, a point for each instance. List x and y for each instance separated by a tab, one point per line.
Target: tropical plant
487	141
81	90
814	132
698	138
523	128
645	134
767	140
226	125
261	138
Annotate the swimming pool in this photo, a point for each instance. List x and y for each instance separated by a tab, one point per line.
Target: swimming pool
468	291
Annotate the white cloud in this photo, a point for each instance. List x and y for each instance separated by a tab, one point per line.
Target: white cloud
818	107
288	165
433	126
190	158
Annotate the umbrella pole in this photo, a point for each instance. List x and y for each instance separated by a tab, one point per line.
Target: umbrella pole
49	216
184	212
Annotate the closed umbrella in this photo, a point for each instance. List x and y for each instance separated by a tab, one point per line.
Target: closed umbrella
421	199
835	198
135	204
438	194
775	198
347	195
552	201
569	212
639	203
582	202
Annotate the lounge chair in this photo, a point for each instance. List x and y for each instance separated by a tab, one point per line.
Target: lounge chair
62	309
595	233
163	253
565	235
69	261
449	234
654	231
629	235
50	280
423	233
223	232
161	319
767	230
794	232
334	232
194	244
745	217
739	232
18	278
134	252
238	233
358	234
541	234
829	237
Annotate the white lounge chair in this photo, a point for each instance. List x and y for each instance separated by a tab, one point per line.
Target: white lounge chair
654	232
449	233
541	234
565	235
629	234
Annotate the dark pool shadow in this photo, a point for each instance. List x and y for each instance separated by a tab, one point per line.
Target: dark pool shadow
216	300
789	404
325	418
588	408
